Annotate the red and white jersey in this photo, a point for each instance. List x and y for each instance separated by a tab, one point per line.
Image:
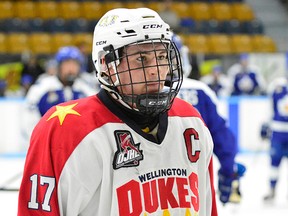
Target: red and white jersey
85	160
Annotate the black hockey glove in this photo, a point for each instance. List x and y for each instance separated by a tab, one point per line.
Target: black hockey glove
265	131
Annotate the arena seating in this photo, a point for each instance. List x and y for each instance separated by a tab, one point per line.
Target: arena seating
3	44
219	44
209	27
40	43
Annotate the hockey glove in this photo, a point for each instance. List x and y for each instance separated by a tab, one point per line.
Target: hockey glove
265	131
229	185
224	186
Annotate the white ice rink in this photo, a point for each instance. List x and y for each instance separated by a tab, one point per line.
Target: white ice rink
253	186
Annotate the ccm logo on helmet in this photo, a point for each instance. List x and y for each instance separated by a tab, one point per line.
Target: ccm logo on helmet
152	26
100	43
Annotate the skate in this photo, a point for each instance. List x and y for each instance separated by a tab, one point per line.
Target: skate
235	196
270	196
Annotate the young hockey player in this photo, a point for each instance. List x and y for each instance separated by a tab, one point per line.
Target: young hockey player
132	149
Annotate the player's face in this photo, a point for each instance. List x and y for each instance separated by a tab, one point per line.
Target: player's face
69	70
144	70
244	63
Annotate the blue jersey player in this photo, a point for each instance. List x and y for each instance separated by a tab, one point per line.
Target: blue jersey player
246	78
225	146
66	85
49	90
278	127
205	101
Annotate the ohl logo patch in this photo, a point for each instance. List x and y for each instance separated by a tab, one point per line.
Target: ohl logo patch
128	153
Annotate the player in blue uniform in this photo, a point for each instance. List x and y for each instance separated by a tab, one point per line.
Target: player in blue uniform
66	85
278	127
50	90
225	147
246	78
218	81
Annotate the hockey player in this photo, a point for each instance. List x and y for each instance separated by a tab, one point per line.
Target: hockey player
205	101
50	90
66	85
277	129
134	148
225	147
218	81
246	78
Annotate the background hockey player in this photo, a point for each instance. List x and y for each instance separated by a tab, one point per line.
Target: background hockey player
50	90
66	85
277	129
246	78
225	147
218	81
134	148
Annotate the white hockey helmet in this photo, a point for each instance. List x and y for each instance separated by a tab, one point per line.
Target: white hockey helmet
120	28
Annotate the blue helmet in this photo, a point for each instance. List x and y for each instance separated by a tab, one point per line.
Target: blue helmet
69	52
217	69
244	56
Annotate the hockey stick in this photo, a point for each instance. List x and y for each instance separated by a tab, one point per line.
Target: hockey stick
4	187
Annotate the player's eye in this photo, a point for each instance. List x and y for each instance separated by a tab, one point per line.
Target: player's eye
142	58
162	57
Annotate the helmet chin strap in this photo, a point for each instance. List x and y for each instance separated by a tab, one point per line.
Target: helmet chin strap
116	96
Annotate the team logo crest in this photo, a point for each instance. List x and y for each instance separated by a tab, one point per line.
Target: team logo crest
128	153
108	20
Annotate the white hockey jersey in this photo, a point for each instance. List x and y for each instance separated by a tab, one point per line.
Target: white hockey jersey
49	92
87	159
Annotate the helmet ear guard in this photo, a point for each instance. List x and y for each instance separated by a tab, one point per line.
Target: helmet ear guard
108	59
111	54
